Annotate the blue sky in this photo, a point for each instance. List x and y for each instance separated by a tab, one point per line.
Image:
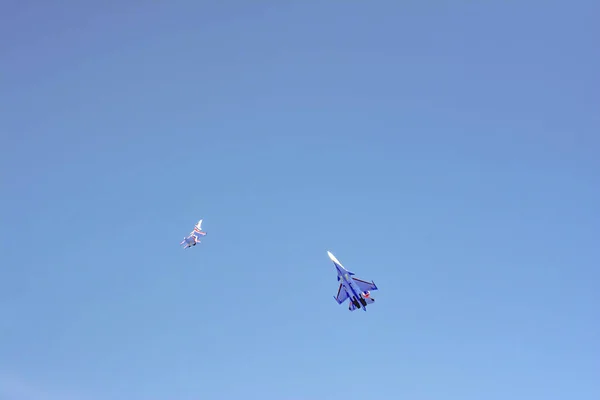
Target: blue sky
446	150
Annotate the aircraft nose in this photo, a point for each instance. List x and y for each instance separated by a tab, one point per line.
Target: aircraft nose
332	257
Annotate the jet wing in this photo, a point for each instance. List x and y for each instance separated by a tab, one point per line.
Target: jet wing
365	286
342	295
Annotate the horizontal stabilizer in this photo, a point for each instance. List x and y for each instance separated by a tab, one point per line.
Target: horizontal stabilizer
370	300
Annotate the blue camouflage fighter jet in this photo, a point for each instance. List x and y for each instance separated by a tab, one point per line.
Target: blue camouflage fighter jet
194	236
357	290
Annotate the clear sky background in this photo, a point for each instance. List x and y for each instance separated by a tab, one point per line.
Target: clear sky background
446	150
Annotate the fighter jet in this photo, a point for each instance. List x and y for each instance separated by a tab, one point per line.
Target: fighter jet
357	290
194	236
